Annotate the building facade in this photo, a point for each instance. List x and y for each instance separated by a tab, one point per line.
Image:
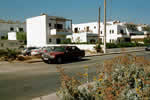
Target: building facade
43	30
115	31
5	28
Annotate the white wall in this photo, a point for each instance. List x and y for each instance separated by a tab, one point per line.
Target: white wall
12	36
36	31
93	27
80	46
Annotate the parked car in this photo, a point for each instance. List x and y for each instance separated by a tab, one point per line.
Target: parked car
45	50
35	52
27	51
147	48
60	54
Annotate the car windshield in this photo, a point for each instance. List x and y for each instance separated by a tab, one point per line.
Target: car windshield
58	49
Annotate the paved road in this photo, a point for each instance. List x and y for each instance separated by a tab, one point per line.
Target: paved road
23	81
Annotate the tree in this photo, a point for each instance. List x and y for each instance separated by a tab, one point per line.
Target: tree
147	41
21	36
146	28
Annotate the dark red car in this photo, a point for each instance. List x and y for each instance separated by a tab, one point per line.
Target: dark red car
60	54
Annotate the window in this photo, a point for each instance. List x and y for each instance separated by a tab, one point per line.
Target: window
87	29
50	40
92	41
21	30
11	29
76	30
121	31
110	40
58	26
49	24
58	41
112	31
101	32
94	27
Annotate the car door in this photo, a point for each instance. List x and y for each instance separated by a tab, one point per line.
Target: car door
75	52
68	53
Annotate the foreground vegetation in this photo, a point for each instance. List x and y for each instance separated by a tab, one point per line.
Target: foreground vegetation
121	78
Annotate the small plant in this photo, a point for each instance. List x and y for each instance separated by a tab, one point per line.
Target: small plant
122	78
11	54
67	41
98	48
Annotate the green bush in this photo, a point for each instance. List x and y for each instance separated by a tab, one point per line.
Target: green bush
98	48
9	54
123	45
111	45
147	41
67	41
2	52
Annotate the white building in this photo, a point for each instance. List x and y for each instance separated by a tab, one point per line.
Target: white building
44	30
7	27
115	32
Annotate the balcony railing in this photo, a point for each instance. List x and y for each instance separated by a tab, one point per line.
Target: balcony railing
59	32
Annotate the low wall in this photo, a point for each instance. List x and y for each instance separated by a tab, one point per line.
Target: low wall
9	44
81	46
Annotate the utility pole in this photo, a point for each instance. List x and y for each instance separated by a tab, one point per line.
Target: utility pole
104	26
99	27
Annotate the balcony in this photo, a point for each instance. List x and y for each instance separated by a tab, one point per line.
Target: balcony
60	32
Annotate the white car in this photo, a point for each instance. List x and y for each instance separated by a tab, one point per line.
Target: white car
35	52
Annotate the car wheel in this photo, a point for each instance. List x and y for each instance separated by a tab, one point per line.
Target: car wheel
59	60
80	57
48	61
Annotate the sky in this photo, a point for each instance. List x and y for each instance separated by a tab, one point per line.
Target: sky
80	11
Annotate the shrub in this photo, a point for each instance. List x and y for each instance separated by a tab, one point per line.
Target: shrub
111	45
147	41
98	48
10	54
2	52
67	41
122	45
122	78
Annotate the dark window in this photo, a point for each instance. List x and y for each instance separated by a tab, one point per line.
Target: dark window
21	30
92	41
49	24
75	48
94	27
58	26
11	29
112	31
50	40
101	32
58	49
76	30
58	41
121	31
87	29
